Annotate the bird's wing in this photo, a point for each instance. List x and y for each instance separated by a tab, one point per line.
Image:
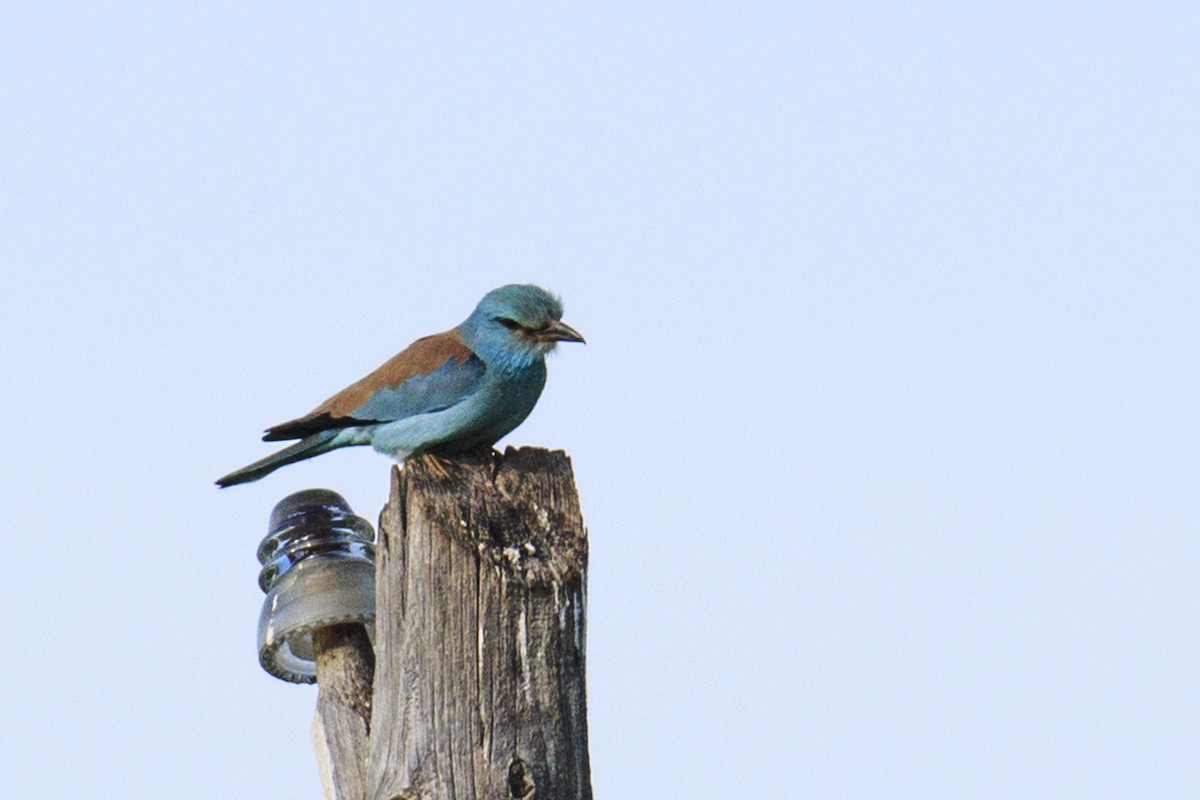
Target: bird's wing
432	374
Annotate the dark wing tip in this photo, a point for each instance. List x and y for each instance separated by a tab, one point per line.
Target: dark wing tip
307	426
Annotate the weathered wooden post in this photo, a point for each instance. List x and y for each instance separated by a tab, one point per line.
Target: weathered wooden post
481	590
474	688
345	665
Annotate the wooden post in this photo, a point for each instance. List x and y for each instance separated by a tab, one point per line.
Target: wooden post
345	675
478	663
480	584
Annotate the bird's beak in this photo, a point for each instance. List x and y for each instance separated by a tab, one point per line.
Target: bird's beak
559	331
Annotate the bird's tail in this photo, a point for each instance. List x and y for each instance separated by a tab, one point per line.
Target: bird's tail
307	447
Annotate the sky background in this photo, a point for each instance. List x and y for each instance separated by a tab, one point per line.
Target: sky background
886	430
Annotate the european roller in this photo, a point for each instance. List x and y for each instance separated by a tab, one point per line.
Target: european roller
446	393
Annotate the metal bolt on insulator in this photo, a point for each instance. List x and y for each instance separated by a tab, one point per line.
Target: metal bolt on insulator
318	570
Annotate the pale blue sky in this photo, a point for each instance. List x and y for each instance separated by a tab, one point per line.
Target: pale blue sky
886	432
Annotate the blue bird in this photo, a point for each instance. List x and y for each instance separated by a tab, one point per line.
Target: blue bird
445	394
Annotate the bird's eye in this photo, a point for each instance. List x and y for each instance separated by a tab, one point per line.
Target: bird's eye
511	324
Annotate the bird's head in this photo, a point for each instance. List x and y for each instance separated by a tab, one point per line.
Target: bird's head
516	324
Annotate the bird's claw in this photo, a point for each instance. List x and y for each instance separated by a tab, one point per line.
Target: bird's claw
439	467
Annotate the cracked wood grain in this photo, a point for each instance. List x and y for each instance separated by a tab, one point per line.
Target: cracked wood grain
480	625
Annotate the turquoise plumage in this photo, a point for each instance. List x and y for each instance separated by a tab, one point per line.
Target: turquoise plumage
445	394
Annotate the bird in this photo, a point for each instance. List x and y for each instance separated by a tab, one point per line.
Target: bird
447	393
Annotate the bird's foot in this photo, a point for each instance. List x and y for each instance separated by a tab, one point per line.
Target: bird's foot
439	467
